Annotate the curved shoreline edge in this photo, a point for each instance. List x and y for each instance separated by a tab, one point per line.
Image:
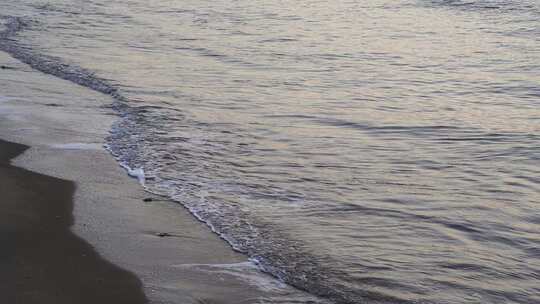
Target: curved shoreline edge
56	67
77	75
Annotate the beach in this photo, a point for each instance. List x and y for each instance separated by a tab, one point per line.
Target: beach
44	262
77	229
282	152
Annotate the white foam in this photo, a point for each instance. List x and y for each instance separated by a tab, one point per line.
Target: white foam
138	173
246	271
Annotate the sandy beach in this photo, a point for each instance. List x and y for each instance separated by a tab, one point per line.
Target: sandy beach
44	262
78	229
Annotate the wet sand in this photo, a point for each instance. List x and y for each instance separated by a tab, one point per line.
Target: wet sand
42	261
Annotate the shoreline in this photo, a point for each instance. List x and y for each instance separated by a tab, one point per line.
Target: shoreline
177	258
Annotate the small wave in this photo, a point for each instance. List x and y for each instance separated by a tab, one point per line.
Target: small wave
53	8
49	64
483	5
245	271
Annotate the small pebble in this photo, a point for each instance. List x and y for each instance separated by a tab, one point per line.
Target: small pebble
148	199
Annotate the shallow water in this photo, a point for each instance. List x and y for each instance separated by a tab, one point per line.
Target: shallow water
374	151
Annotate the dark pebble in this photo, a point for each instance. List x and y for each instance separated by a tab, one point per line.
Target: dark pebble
148	199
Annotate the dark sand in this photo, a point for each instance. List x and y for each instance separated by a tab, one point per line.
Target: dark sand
41	260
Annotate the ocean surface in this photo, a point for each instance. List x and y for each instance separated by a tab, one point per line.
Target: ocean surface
369	151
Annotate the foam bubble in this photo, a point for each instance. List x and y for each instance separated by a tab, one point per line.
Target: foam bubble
138	173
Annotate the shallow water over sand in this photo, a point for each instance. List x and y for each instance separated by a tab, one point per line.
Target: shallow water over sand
385	151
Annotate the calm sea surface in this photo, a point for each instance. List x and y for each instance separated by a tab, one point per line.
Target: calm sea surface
367	151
